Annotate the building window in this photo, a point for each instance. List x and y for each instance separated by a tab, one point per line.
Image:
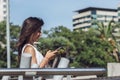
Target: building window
93	12
100	16
4	12
119	20
118	8
4	1
93	16
4	17
114	16
118	14
4	6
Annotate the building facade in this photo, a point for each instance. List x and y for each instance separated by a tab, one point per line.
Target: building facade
3	10
85	18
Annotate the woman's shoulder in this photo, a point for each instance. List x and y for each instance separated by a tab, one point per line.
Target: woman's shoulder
29	48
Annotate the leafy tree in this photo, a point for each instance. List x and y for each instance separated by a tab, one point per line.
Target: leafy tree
14	33
106	34
14	29
3	45
105	31
116	36
87	44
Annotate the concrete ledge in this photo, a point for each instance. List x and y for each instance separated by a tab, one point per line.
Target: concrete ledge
113	69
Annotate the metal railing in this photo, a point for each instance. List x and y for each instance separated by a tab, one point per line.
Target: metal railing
55	71
48	71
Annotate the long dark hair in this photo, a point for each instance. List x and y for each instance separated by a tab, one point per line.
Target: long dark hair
29	27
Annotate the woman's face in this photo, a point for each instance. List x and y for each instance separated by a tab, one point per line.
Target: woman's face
37	35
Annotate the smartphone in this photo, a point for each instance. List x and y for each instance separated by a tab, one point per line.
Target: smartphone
58	48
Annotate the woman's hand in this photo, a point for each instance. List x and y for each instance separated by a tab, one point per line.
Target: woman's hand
50	54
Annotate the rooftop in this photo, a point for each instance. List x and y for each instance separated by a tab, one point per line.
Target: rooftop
95	8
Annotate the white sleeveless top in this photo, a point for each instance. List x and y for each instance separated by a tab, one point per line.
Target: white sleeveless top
38	55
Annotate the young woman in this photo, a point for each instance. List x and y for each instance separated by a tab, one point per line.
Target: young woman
30	33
